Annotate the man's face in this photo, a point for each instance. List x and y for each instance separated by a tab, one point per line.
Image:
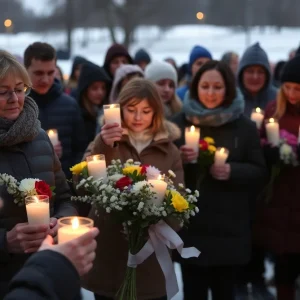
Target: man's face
42	74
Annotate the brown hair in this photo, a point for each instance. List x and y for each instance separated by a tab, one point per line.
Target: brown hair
228	77
39	51
280	104
140	89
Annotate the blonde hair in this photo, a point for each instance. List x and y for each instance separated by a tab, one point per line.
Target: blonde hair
141	89
10	65
280	104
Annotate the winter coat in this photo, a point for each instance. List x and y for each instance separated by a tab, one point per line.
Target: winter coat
39	279
35	159
181	91
59	111
278	224
110	264
221	230
255	55
90	73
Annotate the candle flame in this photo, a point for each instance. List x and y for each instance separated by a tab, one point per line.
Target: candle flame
36	199
95	158
75	223
192	128
258	110
222	150
272	120
159	177
50	132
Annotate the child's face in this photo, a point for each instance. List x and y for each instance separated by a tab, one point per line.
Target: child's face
138	115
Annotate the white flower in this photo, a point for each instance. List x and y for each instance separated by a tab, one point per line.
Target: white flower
108	210
140	206
181	185
171	173
139	185
196	193
28	185
115	177
113	198
152	173
188	191
164	213
285	150
196	209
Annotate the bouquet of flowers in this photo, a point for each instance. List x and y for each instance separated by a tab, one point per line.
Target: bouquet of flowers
26	187
142	199
281	157
207	152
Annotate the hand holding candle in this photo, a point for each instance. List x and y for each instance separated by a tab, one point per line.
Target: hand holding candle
158	186
38	211
112	114
192	138
96	166
257	116
73	227
272	130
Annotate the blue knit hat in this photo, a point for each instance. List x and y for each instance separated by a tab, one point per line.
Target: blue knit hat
142	55
198	52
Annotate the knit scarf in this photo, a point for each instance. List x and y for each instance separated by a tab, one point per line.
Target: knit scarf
24	129
202	116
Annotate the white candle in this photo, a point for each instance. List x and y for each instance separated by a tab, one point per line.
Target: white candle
221	156
112	114
37	208
53	136
97	166
192	138
72	227
159	187
257	116
272	130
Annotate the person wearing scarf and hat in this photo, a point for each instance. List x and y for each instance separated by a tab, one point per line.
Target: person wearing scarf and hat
277	226
199	56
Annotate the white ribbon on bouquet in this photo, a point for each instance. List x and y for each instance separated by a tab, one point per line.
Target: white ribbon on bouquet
162	237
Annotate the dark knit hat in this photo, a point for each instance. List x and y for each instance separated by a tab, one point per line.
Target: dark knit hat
142	56
115	51
78	60
89	74
291	71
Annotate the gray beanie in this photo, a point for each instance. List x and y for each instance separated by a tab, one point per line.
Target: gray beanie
158	70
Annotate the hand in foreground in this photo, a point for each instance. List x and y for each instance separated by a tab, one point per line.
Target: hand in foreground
80	251
220	172
188	154
111	133
25	238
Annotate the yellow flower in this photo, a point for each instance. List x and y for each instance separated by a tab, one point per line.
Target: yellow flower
209	140
178	202
212	149
131	169
77	169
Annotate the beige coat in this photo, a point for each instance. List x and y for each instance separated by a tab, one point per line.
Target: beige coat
110	264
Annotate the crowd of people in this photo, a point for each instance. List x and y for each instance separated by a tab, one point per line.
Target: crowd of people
236	230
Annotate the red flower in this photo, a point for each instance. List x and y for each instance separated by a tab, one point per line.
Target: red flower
203	145
144	169
42	188
123	182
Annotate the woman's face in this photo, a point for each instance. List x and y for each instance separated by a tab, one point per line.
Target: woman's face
254	78
96	92
166	89
138	115
292	92
211	89
116	63
12	96
198	64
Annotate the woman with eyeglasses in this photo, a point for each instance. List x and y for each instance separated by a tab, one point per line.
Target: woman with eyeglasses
25	152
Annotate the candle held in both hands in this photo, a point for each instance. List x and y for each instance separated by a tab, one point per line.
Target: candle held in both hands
97	166
73	227
38	211
112	114
257	116
272	130
158	186
53	136
221	156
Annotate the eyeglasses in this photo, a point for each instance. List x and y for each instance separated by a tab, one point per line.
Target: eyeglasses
20	92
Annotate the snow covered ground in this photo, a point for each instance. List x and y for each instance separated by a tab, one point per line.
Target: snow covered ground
176	42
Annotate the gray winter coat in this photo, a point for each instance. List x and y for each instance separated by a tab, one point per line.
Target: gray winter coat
35	159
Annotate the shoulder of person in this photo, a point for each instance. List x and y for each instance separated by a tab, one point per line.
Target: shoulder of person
68	101
174	132
245	124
